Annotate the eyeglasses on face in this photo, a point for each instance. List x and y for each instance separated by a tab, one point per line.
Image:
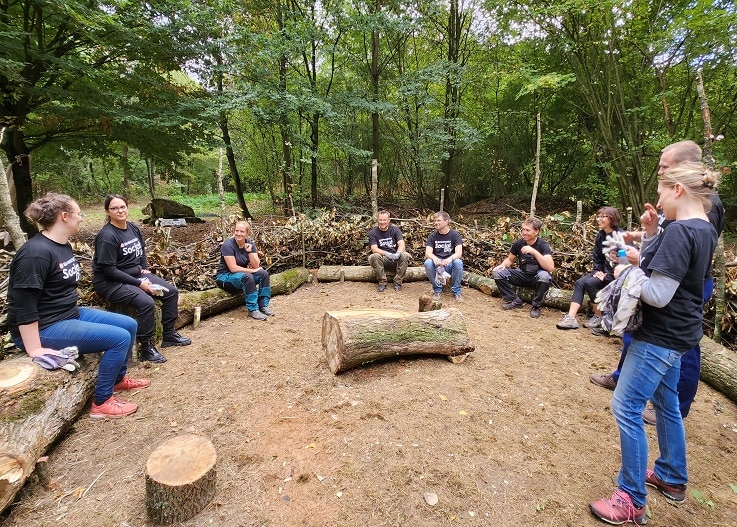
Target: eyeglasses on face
116	209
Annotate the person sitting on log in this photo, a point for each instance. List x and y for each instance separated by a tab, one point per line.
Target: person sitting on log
387	250
608	220
122	277
44	318
443	253
240	270
535	268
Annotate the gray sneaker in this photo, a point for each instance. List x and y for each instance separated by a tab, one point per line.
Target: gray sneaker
593	322
266	310
568	322
458	297
257	315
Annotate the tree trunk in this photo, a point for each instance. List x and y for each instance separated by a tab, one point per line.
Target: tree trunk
719	368
13	142
361	273
7	212
351	337
36	408
180	478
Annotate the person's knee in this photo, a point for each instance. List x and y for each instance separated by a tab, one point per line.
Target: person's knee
374	259
543	276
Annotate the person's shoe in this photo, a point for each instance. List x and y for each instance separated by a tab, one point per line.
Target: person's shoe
514	304
381	288
266	310
648	415
147	352
437	296
397	287
593	322
600	332
175	339
567	323
605	381
458	297
257	315
129	383
618	509
535	312
112	409
676	493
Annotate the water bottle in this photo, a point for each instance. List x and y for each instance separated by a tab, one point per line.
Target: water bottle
622	257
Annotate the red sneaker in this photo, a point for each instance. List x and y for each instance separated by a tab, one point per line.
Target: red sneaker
112	409
618	509
129	383
676	493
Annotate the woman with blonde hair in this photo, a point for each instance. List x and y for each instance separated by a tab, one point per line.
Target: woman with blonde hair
672	297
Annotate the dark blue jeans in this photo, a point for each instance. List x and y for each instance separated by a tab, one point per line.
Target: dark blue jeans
95	331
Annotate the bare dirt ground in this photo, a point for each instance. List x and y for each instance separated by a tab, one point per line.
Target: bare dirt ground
515	435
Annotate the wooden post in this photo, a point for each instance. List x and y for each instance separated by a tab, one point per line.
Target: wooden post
442	199
629	218
375	188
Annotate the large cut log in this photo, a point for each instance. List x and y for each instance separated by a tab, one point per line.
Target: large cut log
214	301
36	408
719	368
363	273
556	298
353	337
180	478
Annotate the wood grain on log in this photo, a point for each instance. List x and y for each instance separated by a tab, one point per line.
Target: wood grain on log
180	478
354	337
36	408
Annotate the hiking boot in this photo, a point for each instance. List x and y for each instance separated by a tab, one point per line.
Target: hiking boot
437	296
381	288
112	409
676	493
567	322
514	304
605	381
257	315
593	322
618	509
174	339
397	286
148	353
535	312
129	383
648	415
458	297
600	332
266	310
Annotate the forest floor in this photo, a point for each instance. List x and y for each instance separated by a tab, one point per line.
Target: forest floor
514	435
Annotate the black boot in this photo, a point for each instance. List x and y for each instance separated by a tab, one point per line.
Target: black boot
147	352
175	339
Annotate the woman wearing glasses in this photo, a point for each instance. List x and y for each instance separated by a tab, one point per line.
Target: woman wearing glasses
43	316
121	276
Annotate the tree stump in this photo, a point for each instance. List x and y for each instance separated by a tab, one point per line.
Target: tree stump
354	337
180	478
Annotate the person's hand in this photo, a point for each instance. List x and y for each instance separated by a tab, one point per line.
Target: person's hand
146	286
649	220
600	275
393	256
145	271
64	359
618	270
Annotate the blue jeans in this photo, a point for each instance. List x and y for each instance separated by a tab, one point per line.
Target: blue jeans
649	372
246	282
456	273
95	331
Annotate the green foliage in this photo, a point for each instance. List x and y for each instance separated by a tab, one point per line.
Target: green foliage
699	496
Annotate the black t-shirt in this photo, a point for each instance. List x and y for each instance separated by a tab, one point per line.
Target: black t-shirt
120	255
527	262
385	240
43	284
683	254
230	248
443	245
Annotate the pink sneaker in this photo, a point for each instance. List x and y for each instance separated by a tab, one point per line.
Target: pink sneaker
129	383
618	509
112	409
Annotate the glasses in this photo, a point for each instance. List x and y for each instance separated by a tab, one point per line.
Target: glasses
116	209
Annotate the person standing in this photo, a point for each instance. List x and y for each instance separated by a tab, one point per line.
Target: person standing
387	250
240	270
608	220
535	268
671	298
43	315
122	277
443	253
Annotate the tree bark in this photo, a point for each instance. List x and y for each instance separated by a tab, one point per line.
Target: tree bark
351	337
7	212
36	408
363	273
180	478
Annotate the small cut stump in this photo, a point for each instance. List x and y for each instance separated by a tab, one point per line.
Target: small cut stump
352	337
180	478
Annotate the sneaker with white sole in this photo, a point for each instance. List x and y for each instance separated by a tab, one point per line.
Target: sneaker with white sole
675	493
593	322
113	408
568	322
618	509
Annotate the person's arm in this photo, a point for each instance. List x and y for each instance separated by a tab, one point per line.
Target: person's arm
431	255
658	290
546	261
375	249
507	263
401	245
32	340
457	253
254	262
